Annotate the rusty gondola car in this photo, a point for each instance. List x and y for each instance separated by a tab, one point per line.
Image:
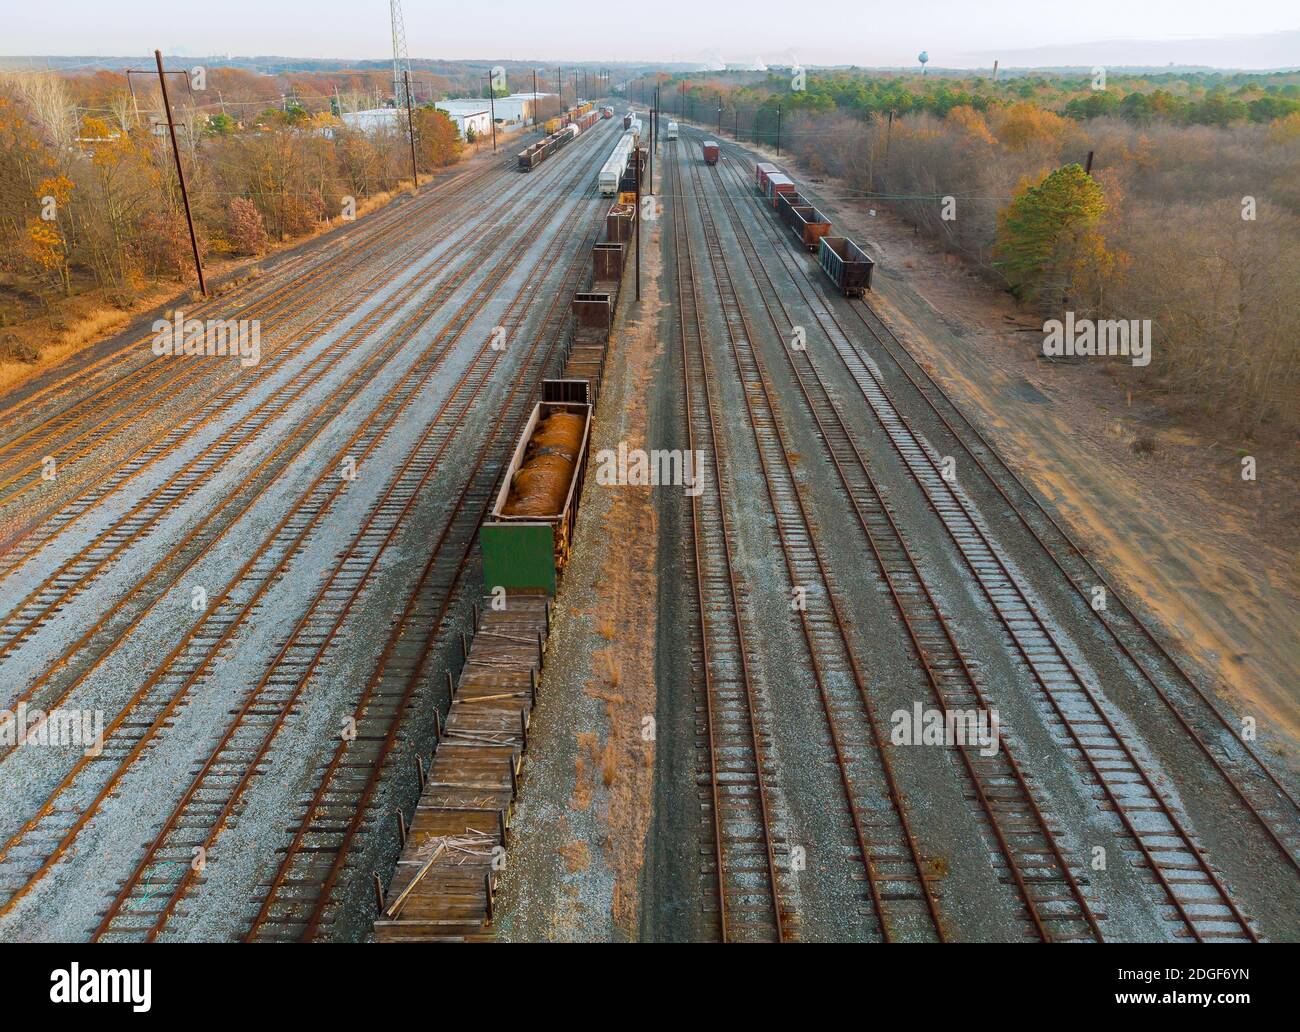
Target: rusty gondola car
526	541
809	224
846	264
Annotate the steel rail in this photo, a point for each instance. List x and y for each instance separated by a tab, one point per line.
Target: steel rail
742	718
934	655
874	856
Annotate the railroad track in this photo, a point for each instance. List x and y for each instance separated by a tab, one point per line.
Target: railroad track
283	288
23	468
900	880
1236	760
1188	888
218	792
1267	797
300	900
1027	846
192	659
745	826
75	574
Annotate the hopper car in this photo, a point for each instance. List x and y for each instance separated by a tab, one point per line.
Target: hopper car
808	224
846	264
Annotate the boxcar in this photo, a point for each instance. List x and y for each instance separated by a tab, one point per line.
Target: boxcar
710	152
808	223
527	539
551	125
672	130
846	264
761	171
778	184
627	120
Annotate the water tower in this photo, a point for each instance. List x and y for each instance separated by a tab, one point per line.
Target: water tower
923	57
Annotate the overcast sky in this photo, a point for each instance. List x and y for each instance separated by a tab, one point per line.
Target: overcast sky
955	33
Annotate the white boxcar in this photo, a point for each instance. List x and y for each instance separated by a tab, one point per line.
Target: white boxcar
672	130
612	171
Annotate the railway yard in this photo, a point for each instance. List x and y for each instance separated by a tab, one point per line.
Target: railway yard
332	709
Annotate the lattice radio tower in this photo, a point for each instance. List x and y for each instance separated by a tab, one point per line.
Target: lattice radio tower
401	62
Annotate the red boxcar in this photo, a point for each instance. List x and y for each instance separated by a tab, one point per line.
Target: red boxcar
761	171
710	152
778	184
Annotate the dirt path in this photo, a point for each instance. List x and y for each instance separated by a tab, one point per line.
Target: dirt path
586	803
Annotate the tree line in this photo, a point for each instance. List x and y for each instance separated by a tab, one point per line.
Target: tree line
1192	222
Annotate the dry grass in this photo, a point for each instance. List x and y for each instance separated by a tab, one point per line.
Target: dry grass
577	857
91	323
608	762
608	667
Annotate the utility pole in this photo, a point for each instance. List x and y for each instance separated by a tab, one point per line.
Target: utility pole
534	98
719	114
778	132
492	105
559	92
180	174
653	142
410	127
636	157
736	132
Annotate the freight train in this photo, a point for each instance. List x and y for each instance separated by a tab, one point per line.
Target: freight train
560	131
535	153
528	537
845	263
611	173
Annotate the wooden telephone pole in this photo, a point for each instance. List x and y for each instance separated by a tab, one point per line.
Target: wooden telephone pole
180	174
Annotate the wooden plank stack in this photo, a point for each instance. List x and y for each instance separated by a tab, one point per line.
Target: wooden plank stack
442	888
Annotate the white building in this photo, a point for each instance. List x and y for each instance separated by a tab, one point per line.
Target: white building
472	113
518	107
371	120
